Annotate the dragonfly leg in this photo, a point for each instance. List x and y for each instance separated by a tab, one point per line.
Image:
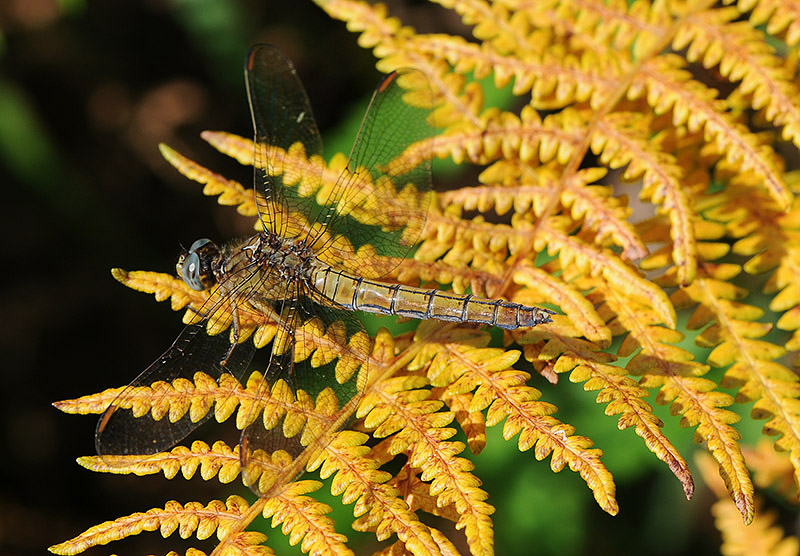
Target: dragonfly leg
199	312
235	334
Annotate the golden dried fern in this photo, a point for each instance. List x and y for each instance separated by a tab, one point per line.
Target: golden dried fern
694	103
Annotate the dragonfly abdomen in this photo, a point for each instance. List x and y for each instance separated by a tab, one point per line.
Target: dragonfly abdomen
359	294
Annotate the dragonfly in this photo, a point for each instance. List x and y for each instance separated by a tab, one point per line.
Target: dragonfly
320	251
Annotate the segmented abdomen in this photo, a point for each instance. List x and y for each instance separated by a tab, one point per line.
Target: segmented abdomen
360	294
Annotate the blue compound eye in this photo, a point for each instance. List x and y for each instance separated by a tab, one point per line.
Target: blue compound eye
199	244
190	272
195	265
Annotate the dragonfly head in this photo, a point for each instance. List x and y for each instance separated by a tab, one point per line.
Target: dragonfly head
195	265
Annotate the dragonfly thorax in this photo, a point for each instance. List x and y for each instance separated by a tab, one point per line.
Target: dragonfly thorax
265	262
288	257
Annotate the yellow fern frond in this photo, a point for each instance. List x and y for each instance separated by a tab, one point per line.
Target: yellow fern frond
620	141
304	519
772	470
752	367
259	323
781	17
357	479
419	430
458	361
761	536
218	461
624	396
669	87
166	400
190	519
230	193
740	52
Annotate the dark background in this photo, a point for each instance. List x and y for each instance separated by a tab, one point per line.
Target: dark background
87	91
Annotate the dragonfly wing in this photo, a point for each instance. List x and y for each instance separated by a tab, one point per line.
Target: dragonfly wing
282	117
124	430
321	355
381	197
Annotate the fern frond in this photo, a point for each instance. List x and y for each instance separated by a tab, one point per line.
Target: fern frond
734	338
695	399
780	17
402	410
540	285
741	54
601	27
491	23
772	470
231	193
622	139
166	400
624	396
772	241
304	519
602	213
259	323
459	360
762	536
672	370
356	478
581	257
218	461
163	286
409	271
471	423
190	519
669	87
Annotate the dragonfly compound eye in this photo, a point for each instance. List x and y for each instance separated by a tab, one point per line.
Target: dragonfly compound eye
194	266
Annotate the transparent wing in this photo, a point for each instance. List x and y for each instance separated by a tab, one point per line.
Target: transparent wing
317	371
381	198
123	430
282	117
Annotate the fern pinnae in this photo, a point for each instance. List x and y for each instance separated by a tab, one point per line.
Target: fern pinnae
788	297
779	16
569	249
501	390
624	397
589	202
670	87
188	519
601	213
356	478
218	460
760	379
162	286
304	519
621	139
583	316
601	262
740	52
230	192
471	423
418	429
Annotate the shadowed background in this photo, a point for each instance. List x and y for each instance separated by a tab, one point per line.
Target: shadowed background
87	91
